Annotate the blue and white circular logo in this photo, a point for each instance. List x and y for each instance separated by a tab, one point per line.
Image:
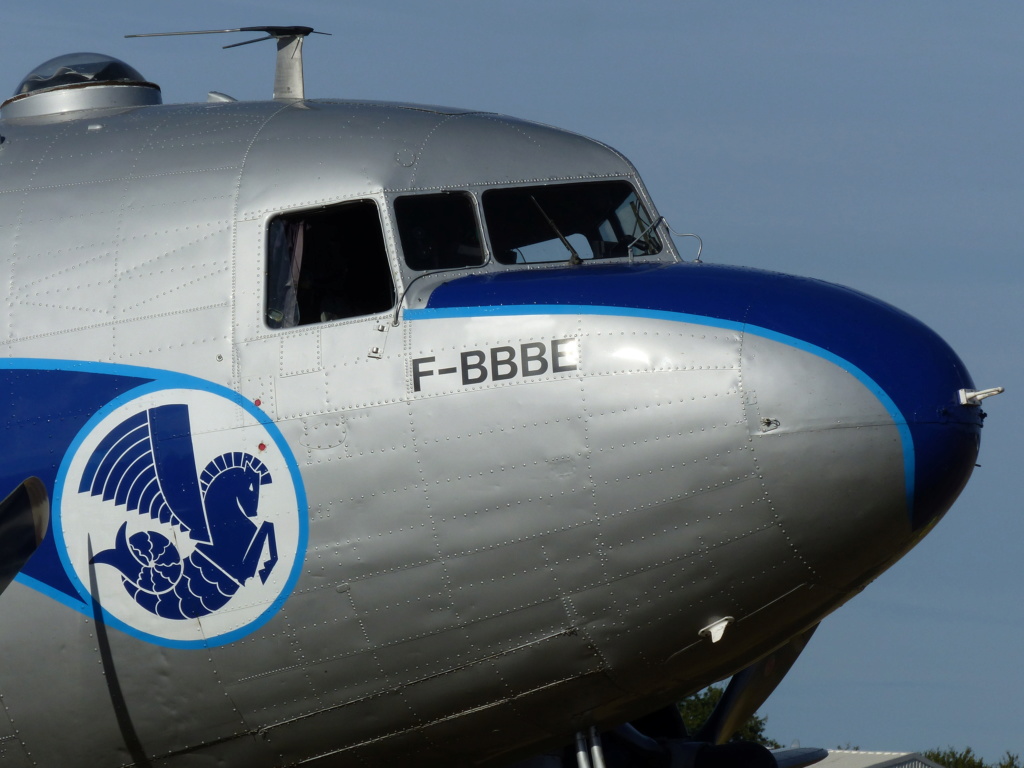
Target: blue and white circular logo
181	513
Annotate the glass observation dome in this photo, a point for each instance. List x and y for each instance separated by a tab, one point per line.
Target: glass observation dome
78	81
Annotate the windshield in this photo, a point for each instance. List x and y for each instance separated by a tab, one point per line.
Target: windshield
562	222
438	231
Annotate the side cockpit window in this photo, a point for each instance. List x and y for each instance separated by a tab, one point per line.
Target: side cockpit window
327	264
438	231
566	222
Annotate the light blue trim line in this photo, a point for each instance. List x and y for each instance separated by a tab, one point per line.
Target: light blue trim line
110	369
54	594
906	440
162	379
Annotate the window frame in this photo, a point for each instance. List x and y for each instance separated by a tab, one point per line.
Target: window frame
378	264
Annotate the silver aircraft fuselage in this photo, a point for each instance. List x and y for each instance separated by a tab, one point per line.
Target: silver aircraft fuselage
488	503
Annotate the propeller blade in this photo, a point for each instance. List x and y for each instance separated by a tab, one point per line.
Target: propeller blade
749	689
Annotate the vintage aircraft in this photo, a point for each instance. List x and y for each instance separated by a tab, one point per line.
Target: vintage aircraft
349	433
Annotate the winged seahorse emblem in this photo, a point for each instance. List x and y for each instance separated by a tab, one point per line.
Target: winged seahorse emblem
147	464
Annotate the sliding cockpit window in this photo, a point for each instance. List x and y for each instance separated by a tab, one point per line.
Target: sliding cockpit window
568	222
327	264
438	231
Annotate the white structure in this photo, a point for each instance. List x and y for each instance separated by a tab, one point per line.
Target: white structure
845	758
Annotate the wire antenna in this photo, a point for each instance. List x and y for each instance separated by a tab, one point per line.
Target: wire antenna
288	77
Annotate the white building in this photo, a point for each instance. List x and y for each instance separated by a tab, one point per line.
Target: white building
845	758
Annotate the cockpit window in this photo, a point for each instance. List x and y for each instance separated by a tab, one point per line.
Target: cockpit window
327	264
438	231
563	222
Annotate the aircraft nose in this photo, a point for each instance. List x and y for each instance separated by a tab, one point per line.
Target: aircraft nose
913	373
944	426
815	338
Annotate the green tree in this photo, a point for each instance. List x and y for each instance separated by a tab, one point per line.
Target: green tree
950	757
697	708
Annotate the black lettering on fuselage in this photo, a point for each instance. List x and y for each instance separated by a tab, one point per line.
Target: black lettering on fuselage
418	372
557	353
473	372
503	363
532	357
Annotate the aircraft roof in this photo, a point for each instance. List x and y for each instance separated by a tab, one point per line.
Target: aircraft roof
848	758
284	148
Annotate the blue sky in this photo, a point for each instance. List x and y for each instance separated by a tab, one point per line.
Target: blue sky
875	144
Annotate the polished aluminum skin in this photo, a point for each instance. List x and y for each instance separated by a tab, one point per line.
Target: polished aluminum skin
659	495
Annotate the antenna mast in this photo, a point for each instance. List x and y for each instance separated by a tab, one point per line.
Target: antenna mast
288	79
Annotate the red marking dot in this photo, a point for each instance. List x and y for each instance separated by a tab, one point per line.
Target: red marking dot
263	446
258	402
